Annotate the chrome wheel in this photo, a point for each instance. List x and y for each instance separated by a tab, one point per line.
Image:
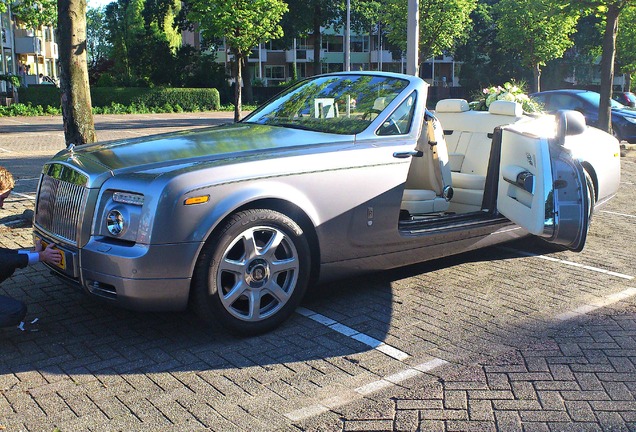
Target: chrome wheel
257	273
252	272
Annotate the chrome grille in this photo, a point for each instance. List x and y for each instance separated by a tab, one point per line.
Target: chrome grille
61	201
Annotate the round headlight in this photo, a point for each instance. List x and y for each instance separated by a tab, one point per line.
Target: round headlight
115	222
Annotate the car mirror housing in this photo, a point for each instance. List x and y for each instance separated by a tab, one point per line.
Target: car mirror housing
569	122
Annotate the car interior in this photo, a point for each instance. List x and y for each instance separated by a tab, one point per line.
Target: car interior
450	176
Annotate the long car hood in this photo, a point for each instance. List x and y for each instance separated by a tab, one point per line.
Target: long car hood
208	144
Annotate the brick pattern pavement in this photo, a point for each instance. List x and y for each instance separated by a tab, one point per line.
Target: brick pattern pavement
490	314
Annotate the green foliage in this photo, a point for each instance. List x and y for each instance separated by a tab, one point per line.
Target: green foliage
243	24
41	94
537	30
626	40
443	23
97	44
30	110
35	13
14	80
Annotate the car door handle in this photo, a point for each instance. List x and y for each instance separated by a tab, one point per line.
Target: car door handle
408	154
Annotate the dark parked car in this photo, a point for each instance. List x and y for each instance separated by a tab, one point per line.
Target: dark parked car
587	102
626	98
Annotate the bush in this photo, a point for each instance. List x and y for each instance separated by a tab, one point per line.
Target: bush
119	100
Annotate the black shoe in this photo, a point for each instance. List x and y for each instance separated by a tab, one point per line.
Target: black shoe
12	311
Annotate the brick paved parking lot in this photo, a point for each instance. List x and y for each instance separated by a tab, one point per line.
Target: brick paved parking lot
515	338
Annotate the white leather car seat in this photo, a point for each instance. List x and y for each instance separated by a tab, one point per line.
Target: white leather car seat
469	134
428	185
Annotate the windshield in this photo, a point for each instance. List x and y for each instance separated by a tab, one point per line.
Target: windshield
595	99
340	104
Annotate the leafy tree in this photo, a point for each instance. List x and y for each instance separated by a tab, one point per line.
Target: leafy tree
626	43
484	61
124	24
244	24
443	23
537	30
35	13
307	17
96	36
609	11
79	127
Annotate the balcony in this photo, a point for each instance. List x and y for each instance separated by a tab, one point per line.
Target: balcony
384	56
302	55
28	45
50	50
253	57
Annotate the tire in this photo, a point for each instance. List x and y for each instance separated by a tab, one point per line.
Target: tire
591	195
252	274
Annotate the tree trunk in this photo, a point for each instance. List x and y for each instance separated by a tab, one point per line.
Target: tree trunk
607	67
248	92
536	74
77	115
238	60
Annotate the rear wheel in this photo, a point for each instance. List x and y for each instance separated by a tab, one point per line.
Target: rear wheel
252	274
591	194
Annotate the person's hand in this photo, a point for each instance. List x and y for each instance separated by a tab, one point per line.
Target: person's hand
50	254
38	246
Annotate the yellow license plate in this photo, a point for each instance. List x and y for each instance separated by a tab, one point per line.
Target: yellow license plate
62	263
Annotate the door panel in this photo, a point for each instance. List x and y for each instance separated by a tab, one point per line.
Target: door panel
542	189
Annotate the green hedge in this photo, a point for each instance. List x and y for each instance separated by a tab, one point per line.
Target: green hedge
189	99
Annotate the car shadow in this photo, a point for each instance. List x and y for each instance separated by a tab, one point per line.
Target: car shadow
70	332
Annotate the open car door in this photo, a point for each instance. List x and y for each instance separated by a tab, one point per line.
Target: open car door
542	189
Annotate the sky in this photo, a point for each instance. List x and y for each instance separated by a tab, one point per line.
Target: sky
98	3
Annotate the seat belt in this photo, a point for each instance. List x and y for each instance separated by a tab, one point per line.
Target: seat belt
432	138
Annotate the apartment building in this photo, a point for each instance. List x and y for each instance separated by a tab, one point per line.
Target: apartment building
272	63
30	54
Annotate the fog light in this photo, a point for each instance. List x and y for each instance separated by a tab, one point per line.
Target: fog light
115	222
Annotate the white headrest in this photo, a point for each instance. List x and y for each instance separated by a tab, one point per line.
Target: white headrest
452	105
503	107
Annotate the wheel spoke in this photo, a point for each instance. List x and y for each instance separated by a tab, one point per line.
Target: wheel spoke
237	290
249	243
278	292
254	299
286	265
269	249
232	266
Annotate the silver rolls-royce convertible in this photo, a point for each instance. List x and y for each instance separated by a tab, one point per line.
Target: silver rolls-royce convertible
340	174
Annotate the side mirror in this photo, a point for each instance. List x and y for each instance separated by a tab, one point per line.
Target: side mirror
569	122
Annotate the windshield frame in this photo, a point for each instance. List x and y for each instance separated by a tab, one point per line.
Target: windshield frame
345	103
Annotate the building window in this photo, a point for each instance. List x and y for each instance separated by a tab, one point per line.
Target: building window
275	73
48	34
359	44
332	67
301	70
332	43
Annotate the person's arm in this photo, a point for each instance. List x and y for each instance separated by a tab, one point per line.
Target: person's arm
9	261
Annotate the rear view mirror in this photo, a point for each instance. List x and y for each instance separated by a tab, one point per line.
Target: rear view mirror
569	122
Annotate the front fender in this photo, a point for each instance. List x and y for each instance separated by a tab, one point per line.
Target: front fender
195	223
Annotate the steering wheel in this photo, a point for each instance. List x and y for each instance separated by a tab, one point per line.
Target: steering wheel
371	114
392	125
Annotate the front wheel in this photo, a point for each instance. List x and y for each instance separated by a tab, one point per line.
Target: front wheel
252	274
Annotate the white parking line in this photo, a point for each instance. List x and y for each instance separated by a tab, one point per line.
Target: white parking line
365	390
354	334
569	263
610	299
618	214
